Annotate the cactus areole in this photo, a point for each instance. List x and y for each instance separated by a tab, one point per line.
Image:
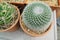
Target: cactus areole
8	15
37	16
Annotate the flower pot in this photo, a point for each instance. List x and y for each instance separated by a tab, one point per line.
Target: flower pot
31	32
15	25
58	2
57	8
58	12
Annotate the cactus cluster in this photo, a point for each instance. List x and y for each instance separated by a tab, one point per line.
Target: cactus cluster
37	16
14	0
8	15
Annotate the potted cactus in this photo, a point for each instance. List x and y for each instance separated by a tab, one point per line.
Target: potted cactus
49	2
9	16
15	1
36	19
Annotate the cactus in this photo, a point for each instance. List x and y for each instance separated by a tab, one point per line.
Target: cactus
8	15
37	16
14	0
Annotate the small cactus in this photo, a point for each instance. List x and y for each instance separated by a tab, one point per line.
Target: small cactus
8	15
13	0
37	16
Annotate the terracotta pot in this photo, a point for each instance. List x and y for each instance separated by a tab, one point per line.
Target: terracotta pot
58	12
14	26
57	8
17	2
58	2
32	33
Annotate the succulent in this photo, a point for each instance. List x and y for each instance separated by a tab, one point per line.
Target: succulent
14	0
37	16
8	15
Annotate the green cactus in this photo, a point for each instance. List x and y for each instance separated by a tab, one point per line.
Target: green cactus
8	15
13	0
37	16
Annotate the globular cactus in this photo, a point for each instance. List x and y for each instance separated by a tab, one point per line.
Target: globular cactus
8	15
37	16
